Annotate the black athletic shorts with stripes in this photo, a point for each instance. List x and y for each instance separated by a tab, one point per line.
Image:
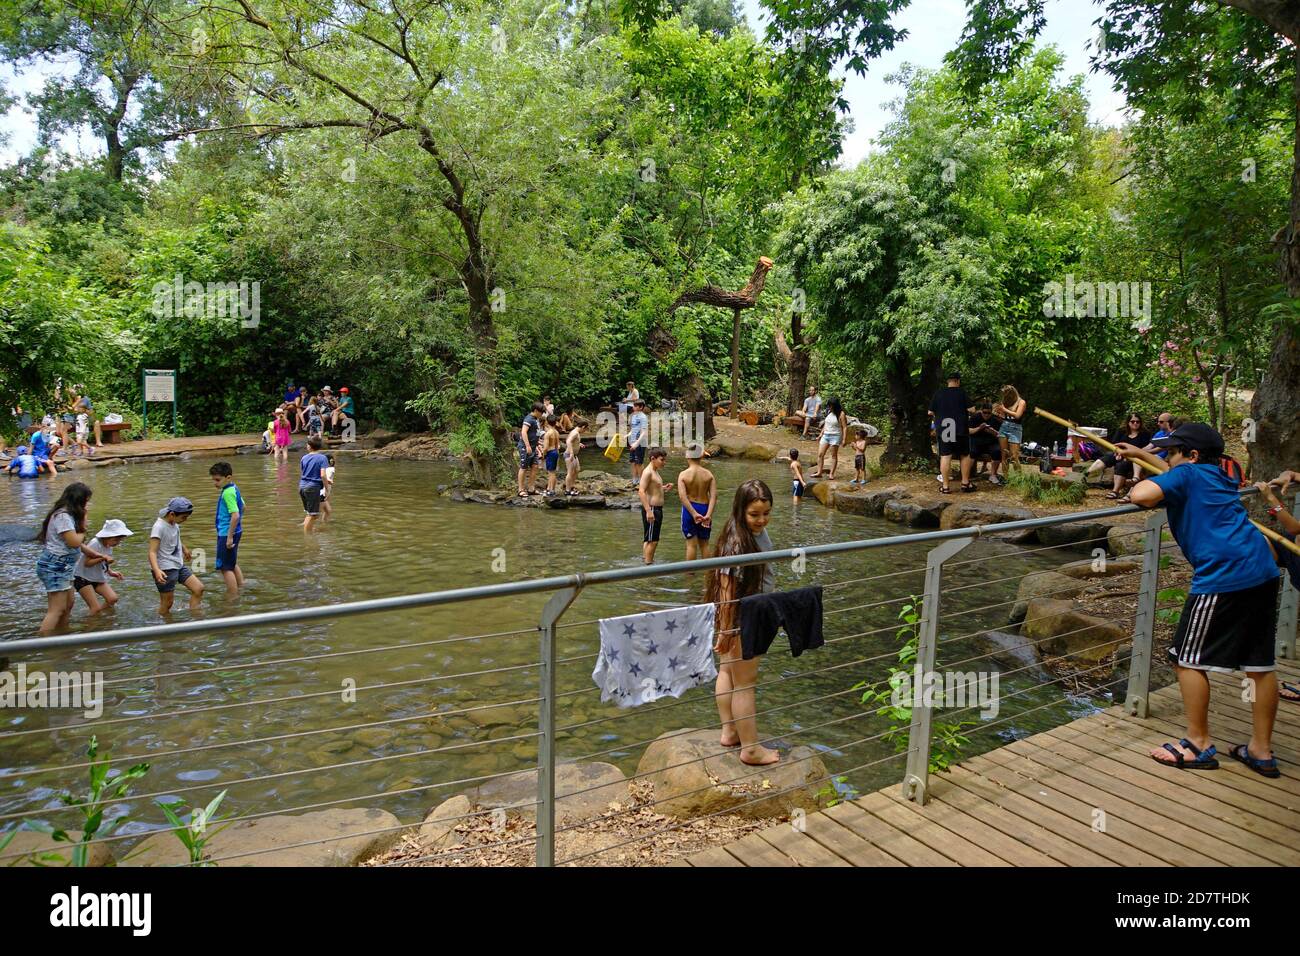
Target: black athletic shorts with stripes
1228	631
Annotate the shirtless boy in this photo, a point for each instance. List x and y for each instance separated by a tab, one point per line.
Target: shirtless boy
650	489
796	475
572	449
698	490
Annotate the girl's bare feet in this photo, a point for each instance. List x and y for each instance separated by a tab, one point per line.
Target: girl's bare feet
758	756
729	738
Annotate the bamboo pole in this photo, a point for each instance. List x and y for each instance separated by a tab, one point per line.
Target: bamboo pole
1266	532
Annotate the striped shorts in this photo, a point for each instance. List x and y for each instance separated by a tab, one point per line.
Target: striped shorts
1228	631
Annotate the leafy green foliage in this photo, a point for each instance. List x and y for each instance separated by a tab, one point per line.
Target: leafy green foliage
196	832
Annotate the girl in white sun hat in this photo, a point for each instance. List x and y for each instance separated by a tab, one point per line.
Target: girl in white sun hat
90	576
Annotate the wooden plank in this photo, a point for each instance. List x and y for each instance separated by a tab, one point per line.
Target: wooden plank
845	843
1122	841
799	847
1049	844
899	845
1154	730
1275	803
680	861
1197	791
973	830
1095	780
755	851
713	856
953	845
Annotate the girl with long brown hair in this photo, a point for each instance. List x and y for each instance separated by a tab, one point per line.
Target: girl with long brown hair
1012	431
63	533
744	533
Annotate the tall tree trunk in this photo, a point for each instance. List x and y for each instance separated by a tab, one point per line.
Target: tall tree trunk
734	408
909	432
798	359
1277	424
486	464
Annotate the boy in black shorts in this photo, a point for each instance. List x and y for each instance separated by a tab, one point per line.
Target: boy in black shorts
650	489
1227	623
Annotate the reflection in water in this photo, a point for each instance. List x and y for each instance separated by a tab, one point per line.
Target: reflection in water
430	675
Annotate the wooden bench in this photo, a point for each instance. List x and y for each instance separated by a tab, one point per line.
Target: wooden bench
112	433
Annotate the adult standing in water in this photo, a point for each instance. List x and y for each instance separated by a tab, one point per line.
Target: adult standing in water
834	428
1011	432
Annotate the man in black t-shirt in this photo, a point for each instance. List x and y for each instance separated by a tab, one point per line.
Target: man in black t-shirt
526	443
984	444
950	410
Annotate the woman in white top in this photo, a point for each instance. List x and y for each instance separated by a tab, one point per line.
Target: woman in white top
834	427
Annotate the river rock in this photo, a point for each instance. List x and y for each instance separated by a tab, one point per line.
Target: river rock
729	445
687	786
826	491
1066	631
914	514
1121	540
347	834
436	833
1091	568
972	513
859	501
502	716
1043	584
1085	534
51	852
17	533
582	791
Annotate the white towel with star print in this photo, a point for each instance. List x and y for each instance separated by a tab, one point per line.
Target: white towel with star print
657	654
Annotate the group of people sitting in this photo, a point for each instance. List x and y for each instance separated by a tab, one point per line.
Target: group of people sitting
312	414
65	430
988	432
1133	432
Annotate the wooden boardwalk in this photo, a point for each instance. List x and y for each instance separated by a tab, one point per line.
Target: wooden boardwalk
1039	801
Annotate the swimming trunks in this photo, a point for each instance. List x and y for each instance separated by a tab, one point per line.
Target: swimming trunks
228	557
651	529
552	459
798	611
797	489
637	455
175	576
690	528
860	462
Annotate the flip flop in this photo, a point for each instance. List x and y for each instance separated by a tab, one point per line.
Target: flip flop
1204	758
945	491
1112	496
970	486
1265	768
1291	689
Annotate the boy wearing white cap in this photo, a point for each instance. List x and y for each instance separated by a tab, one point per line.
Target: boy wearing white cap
90	575
167	555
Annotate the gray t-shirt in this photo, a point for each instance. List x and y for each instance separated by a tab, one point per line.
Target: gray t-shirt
97	572
811	404
764	543
170	555
60	522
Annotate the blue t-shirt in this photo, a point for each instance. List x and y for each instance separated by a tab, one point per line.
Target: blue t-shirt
39	446
223	508
312	463
1210	524
1161	433
26	466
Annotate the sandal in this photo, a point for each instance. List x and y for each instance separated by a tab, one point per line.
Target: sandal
1204	758
969	486
1112	496
1289	689
945	491
1265	768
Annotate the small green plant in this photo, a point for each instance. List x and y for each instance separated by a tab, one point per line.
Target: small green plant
1170	615
832	794
195	834
103	791
1166	560
1030	486
946	739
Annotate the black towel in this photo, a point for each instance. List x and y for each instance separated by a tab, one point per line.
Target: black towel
798	611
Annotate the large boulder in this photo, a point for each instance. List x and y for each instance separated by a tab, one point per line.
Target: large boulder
1084	534
972	513
582	791
827	491
335	837
860	501
1059	629
40	849
1124	539
18	533
436	833
694	775
914	514
1091	568
1043	584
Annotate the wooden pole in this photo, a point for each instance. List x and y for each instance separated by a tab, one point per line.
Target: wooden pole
734	410
1266	532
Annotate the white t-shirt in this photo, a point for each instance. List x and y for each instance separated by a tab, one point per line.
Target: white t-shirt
170	554
93	572
328	474
60	522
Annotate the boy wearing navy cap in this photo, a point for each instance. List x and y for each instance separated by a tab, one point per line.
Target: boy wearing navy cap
167	555
1227	621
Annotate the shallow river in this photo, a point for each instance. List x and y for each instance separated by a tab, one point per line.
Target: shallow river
391	535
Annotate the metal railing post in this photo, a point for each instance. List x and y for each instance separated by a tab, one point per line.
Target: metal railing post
1144	622
551	613
1288	611
917	777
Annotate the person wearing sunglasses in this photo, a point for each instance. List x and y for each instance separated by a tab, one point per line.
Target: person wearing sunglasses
1132	433
1227	621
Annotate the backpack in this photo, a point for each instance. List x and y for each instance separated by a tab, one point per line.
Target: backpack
1232	468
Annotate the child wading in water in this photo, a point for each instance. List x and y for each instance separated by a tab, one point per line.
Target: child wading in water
167	556
860	458
63	533
90	577
230	526
327	489
650	489
698	490
282	434
796	475
744	533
